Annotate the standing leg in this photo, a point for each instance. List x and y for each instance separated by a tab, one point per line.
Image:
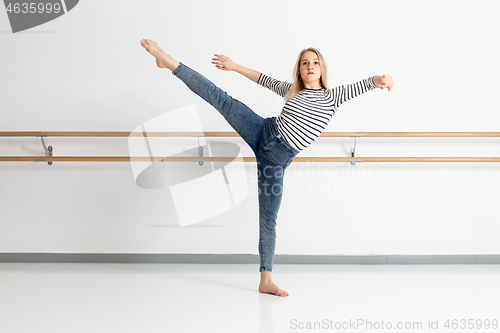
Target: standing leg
273	157
270	180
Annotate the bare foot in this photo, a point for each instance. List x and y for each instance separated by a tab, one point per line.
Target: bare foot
163	60
270	287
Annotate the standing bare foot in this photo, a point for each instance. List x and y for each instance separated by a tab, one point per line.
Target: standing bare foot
267	286
163	60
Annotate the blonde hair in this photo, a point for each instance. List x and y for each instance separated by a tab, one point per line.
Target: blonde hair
298	84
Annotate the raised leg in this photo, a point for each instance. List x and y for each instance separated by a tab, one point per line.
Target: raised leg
245	122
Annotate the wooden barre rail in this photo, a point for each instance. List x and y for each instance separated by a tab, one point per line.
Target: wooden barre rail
238	159
234	134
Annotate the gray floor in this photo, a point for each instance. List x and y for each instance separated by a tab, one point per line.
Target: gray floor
59	297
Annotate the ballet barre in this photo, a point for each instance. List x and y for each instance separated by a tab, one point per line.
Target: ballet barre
49	157
234	134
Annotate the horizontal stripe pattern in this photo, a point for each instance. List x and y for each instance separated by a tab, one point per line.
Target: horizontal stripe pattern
306	116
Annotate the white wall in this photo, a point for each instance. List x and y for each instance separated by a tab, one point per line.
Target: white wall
86	71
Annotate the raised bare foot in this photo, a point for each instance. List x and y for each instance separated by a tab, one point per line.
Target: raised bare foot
163	60
269	287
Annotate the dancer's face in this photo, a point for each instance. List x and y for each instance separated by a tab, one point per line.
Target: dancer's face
310	70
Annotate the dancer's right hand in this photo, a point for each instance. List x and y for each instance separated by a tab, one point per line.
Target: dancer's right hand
223	62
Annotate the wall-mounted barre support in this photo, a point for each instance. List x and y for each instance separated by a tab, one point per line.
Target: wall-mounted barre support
48	150
200	148
353	150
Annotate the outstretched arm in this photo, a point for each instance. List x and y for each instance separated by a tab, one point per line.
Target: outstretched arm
224	63
384	81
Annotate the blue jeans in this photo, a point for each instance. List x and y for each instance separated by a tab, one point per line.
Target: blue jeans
272	152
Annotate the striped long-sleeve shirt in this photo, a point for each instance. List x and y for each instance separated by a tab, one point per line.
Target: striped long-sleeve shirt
305	116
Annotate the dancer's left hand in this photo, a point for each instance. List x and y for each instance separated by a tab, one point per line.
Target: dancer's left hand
385	81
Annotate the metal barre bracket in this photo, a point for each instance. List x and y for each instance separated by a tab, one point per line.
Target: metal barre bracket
200	149
353	150
48	150
353	162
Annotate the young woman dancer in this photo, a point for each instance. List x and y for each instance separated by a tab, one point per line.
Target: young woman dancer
275	141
